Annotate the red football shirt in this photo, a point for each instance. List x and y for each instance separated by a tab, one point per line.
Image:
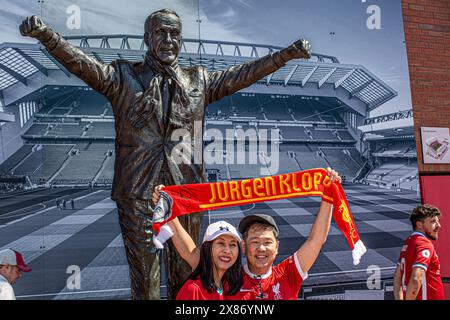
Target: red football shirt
194	290
419	252
282	282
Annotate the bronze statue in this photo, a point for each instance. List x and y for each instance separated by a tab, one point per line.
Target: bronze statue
150	100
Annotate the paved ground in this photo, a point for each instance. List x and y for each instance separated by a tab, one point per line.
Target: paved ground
88	237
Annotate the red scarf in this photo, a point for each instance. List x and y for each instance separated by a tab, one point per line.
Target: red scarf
189	198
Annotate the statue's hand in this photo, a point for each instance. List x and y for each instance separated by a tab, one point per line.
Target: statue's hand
32	27
301	49
304	48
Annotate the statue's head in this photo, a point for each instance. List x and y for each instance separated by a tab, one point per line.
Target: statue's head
163	35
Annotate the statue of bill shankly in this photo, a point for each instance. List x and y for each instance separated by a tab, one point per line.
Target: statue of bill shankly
150	100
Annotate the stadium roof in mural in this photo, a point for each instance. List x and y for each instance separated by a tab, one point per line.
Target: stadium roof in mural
394	125
19	62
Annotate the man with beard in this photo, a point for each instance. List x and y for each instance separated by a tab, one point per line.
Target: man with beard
151	100
418	276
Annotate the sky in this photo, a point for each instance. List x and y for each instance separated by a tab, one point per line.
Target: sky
333	27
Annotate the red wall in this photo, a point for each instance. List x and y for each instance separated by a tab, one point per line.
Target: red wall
436	191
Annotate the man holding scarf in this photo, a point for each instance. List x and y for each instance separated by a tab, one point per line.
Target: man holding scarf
150	100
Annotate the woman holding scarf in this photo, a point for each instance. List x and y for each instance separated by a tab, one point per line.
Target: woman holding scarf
219	270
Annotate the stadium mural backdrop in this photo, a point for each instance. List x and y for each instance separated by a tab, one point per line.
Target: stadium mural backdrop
348	107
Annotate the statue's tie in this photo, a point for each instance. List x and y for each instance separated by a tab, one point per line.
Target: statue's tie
165	99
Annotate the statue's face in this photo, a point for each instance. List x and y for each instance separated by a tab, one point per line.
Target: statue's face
164	37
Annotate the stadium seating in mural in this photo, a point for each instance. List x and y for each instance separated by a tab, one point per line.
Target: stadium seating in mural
71	140
394	164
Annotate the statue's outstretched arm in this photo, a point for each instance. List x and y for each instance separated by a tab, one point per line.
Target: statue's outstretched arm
231	80
101	77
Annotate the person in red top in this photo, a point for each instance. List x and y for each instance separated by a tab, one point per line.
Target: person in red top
262	280
260	244
418	276
219	272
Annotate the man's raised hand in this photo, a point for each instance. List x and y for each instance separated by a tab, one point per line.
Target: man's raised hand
32	27
334	175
